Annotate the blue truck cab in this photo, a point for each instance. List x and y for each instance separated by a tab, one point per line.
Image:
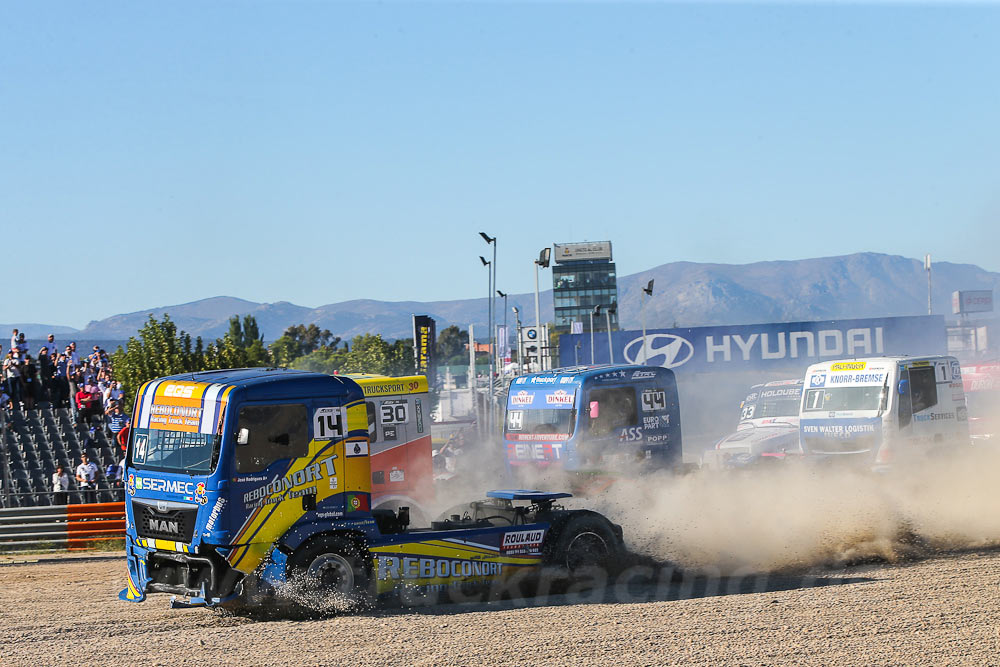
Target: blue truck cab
240	481
588	417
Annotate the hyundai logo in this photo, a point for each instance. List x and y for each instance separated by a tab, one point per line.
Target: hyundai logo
666	350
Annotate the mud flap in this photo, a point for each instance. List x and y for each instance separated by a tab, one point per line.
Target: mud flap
134	590
275	568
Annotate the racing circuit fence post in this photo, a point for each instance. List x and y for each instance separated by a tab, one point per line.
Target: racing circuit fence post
57	527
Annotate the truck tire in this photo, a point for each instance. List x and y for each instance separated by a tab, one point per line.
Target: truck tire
585	542
330	573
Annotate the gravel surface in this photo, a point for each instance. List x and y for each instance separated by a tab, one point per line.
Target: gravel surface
937	611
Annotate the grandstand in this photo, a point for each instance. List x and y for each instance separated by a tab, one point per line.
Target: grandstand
34	442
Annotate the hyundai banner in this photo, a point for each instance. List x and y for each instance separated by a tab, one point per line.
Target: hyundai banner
762	347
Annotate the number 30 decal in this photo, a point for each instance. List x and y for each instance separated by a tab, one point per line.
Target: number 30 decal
394	412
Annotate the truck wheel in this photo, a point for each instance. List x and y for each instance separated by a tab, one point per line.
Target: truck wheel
330	574
586	542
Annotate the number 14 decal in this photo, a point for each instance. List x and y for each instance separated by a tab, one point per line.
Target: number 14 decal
328	423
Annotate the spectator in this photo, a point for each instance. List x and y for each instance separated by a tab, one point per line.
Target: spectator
12	376
86	477
87	373
72	379
29	375
22	346
13	339
111	474
107	385
46	369
116	419
73	355
123	436
60	486
51	344
83	401
96	401
60	381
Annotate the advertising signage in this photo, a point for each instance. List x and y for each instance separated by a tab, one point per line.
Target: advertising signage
972	301
761	347
574	252
423	346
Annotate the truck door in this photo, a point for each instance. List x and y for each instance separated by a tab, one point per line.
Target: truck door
616	421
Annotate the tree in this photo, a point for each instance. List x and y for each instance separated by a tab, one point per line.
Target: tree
241	347
402	360
327	360
159	350
299	341
452	346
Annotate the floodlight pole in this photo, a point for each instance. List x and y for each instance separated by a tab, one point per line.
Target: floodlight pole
543	262
607	316
491	240
927	267
646	291
595	311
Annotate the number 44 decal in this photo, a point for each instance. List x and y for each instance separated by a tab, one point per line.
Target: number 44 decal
654	400
328	423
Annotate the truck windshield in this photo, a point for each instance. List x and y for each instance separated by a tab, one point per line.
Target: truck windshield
779	407
174	451
844	398
540	421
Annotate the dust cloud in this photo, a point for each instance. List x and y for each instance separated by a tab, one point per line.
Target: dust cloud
800	515
786	516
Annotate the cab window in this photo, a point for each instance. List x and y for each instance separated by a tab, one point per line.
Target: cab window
617	409
372	420
269	433
923	388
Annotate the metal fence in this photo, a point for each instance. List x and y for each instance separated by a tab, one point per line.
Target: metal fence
60	527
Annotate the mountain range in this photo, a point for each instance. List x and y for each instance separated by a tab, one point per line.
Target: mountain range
685	294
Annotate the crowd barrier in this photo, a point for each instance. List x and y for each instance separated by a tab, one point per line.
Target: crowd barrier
53	527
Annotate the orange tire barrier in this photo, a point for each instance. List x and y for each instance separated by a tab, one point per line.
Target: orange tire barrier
61	526
92	522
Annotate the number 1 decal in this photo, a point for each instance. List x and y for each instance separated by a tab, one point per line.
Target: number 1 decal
328	423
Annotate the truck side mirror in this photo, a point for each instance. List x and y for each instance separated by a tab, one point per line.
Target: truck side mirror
904	387
243	436
595	409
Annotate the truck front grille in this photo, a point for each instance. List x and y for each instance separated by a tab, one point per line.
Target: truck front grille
164	520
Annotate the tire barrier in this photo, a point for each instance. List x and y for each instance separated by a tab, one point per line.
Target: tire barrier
60	527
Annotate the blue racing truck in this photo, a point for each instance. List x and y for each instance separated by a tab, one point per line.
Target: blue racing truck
593	417
241	482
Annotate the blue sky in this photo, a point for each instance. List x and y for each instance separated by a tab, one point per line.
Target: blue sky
319	152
